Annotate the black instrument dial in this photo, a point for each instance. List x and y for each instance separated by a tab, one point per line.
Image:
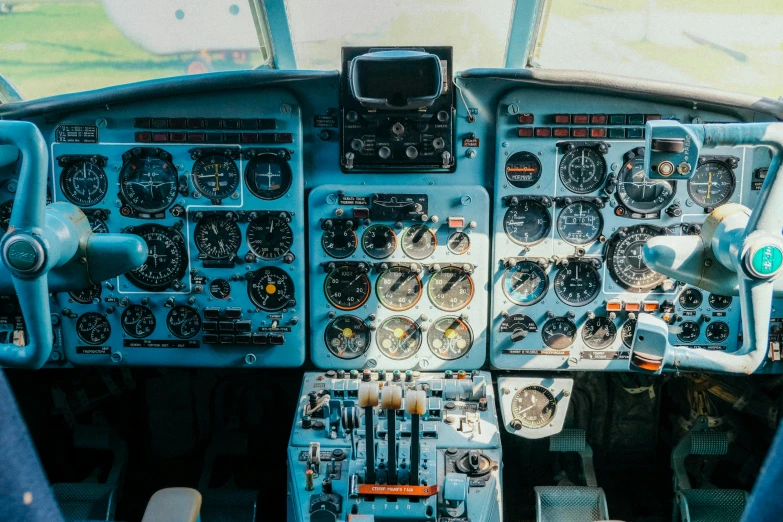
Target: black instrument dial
450	289
86	295
599	333
84	183
398	288
183	322
338	239
712	184
717	332
347	287
690	332
450	338
5	213
138	321
533	406
518	325
220	289
582	170
98	225
527	223
580	223
217	236
398	337
719	302
93	328
525	283
625	261
523	169
627	332
167	258
269	236
419	242
638	192
577	283
379	241
271	289
268	176
458	243
148	183
347	337
558	333
215	176
691	298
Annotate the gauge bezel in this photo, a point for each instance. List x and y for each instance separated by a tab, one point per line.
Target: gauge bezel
417	335
104	323
369	250
722	306
561	228
690	291
551	404
192	312
178	271
711	326
460	234
147	314
382	298
599	320
543	209
144	154
569	156
516	268
431	332
102	179
363	329
235	175
286	174
95	295
630	323
440	306
688	339
563	320
228	228
361	276
430	249
731	192
622	193
282	275
611	252
354	242
528	157
255	226
560	275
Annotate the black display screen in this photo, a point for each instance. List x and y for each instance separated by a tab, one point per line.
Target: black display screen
397	81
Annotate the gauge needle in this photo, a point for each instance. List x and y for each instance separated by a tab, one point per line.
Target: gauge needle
528	408
709	180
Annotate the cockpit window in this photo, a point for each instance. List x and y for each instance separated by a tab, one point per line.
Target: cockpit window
724	44
478	30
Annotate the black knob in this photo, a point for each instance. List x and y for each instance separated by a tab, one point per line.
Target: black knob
352	117
328	224
288	258
674	211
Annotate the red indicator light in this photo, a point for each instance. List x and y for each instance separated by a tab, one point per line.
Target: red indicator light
579	119
197	137
598	119
526	119
178	137
525	132
560	132
249	138
563	118
599	132
579	133
543	132
143	136
160	136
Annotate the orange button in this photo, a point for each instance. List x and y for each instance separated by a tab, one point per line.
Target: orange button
456	222
614	305
633	306
651	306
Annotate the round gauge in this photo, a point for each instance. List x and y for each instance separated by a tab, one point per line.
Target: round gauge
167	258
93	328
577	283
558	333
84	183
690	332
183	321
582	170
458	243
580	223
419	242
627	332
347	287
533	406
717	332
523	169
271	289
217	236
98	225
5	213
86	295
450	338
347	337
640	193
599	333
379	241
138	321
148	183
719	302
527	223
450	289
338	239
712	184
690	298
398	288
518	325
269	236
625	261
526	283
215	176
268	176
398	338
220	289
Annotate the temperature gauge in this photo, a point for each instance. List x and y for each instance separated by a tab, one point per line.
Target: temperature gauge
398	338
379	241
599	333
450	338
347	337
458	243
558	333
183	322
138	321
419	242
338	239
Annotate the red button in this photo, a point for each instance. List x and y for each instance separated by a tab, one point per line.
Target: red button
160	136
579	132
249	138
563	118
543	132
197	137
560	132
599	132
526	119
598	119
178	137
579	119
143	136
525	132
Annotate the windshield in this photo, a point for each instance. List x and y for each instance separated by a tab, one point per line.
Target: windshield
725	44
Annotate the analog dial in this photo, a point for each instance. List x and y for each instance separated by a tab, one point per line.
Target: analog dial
398	288
627	332
577	283
526	283
534	406
582	170
625	262
347	287
719	302
167	258
148	183
691	298
690	332
523	170
717	332
599	333
640	193
419	242
183	322
398	337
220	289
712	184
84	183
5	213
86	295
216	176
93	328
338	239
527	223
217	236
580	223
458	243
268	176
379	241
271	289
450	338
269	236
450	289
138	321
558	333
98	225
347	337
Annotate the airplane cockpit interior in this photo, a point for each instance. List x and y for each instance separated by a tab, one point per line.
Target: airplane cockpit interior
340	261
